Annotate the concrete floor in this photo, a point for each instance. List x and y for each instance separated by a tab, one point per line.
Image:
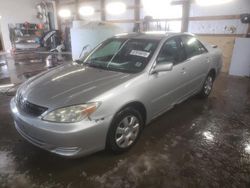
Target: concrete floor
200	143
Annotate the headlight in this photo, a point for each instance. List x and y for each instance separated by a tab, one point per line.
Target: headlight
72	113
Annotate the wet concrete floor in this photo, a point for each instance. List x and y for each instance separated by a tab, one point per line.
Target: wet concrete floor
199	143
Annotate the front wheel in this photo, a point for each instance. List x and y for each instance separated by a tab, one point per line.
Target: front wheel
125	130
207	86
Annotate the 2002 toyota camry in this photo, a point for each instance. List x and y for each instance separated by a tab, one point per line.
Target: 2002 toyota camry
106	100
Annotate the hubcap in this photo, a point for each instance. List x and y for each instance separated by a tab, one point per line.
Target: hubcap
127	131
208	85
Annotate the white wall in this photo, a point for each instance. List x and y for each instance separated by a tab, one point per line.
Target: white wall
235	7
16	11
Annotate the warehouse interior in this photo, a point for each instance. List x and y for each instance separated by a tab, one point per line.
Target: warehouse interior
198	143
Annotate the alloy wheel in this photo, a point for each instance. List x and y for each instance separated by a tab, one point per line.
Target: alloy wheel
208	85
127	131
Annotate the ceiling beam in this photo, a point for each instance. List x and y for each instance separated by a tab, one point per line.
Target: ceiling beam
137	14
185	16
77	5
57	17
103	12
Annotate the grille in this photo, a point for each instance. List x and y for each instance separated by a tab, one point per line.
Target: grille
29	108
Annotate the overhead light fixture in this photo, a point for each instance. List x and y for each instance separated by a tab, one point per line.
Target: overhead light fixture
64	13
211	2
161	9
116	8
86	11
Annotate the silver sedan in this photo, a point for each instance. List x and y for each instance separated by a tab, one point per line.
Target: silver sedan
106	99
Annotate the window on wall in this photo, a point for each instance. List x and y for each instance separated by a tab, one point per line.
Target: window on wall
174	26
160	10
163	12
165	26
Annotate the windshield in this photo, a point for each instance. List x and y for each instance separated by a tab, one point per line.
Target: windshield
124	55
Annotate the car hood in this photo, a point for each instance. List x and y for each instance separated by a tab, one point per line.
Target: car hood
70	84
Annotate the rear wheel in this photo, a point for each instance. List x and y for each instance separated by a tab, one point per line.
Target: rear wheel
125	130
207	86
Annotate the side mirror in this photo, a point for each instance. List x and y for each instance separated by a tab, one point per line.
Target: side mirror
163	67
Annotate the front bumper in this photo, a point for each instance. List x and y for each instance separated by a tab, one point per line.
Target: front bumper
69	140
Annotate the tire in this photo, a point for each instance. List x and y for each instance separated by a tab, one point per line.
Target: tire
207	86
125	130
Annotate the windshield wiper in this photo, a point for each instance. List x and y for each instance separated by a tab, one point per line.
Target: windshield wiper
96	65
91	63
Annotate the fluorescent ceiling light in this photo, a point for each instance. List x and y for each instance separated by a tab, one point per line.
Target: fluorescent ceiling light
116	8
86	11
64	13
211	2
161	9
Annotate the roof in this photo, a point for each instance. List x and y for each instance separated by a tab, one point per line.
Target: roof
156	35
